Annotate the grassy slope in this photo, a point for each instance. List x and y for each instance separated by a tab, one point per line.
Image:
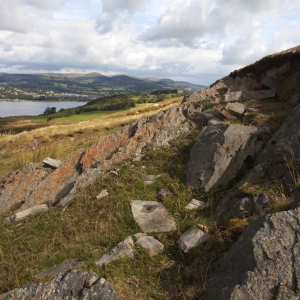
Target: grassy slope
88	228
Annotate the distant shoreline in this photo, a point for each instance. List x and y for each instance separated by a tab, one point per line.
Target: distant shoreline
21	100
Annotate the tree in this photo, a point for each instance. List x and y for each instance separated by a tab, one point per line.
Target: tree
50	111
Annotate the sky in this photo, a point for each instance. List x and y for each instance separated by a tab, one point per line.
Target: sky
198	41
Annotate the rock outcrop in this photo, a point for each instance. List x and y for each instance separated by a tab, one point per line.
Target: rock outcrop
66	285
220	152
263	264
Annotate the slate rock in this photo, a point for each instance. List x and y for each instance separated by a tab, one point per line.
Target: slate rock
27	212
70	284
236	107
151	245
214	121
192	238
53	163
102	194
263	264
152	216
123	250
220	152
248	95
195	204
68	264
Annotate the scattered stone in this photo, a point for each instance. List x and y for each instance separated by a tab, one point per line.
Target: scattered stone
25	213
263	264
151	245
152	216
123	250
203	228
149	179
70	284
191	238
220	152
68	264
214	120
195	204
113	173
237	108
103	194
163	194
49	162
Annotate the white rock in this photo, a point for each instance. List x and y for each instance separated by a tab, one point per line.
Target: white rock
152	216
195	204
25	213
149	243
52	162
122	250
103	194
191	238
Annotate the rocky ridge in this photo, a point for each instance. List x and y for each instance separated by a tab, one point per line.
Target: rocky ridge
263	263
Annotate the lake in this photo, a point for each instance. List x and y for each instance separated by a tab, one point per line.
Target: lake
10	108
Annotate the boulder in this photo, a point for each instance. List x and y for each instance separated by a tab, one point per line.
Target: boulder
263	264
68	264
27	212
70	284
237	108
151	245
152	216
191	238
220	152
123	250
203	117
49	162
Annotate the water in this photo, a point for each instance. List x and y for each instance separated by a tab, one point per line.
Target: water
10	108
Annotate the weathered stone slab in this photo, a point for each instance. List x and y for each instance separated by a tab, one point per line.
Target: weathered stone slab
102	194
66	285
195	204
53	163
152	216
68	264
263	264
27	212
123	250
220	152
243	96
151	245
236	107
192	238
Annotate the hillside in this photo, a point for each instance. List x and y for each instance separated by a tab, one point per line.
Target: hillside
198	201
79	86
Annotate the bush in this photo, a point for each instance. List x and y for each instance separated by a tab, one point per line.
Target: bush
50	110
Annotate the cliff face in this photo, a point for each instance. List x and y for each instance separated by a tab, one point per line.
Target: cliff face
263	263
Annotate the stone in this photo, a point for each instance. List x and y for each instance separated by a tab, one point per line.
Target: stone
17	187
237	108
123	250
151	245
68	264
27	212
49	162
149	179
152	216
214	121
70	284
263	264
192	238
294	99
220	152
248	95
115	173
163	194
203	117
102	194
195	204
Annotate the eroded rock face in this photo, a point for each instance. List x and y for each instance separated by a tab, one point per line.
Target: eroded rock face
66	285
263	264
220	152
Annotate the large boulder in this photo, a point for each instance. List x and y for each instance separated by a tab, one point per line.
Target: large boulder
220	152
263	264
71	284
